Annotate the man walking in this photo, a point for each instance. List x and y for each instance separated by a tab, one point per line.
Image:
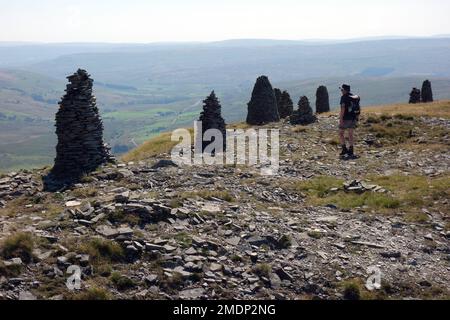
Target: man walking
350	110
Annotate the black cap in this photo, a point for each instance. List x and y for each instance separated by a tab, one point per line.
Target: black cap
346	87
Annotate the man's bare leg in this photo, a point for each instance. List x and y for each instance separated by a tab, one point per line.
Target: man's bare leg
351	141
350	137
342	139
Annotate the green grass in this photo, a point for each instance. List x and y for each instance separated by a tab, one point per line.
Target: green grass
351	200
285	241
419	217
318	186
351	290
10	271
120	216
416	191
397	132
92	294
86	192
315	234
121	282
103	251
354	289
183	239
18	245
409	193
149	114
262	270
175	282
154	147
236	258
439	109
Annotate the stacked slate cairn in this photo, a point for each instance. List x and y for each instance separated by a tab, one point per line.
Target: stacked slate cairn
415	96
80	149
211	118
427	92
277	95
285	105
322	100
304	115
262	108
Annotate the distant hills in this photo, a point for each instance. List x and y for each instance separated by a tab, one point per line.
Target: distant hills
144	89
232	63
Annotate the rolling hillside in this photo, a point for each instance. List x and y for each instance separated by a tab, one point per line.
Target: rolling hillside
27	110
143	90
315	230
162	143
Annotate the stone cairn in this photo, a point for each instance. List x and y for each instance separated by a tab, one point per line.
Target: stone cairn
285	105
262	107
211	118
322	100
79	128
304	115
415	96
427	92
277	96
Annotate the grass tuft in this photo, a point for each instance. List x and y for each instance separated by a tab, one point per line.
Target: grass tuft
318	186
19	245
121	282
102	250
92	294
262	270
285	242
10	271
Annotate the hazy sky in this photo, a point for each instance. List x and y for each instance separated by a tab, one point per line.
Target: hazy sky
206	20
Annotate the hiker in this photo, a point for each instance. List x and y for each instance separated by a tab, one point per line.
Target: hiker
349	116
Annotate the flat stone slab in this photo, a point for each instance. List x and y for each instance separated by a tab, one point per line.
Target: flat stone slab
71	204
194	293
234	241
107	231
368	244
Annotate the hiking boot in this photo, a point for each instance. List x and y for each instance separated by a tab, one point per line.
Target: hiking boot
344	151
350	152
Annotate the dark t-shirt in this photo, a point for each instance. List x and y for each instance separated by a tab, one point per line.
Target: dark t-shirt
346	101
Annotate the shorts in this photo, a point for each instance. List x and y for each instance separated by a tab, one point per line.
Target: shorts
348	124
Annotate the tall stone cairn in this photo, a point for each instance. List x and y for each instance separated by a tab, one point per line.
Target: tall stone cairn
304	115
285	106
211	118
262	107
80	147
415	96
277	96
427	92
322	100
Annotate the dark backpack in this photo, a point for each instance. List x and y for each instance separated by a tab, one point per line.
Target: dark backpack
355	107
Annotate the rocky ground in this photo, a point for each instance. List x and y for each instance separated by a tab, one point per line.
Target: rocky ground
140	231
